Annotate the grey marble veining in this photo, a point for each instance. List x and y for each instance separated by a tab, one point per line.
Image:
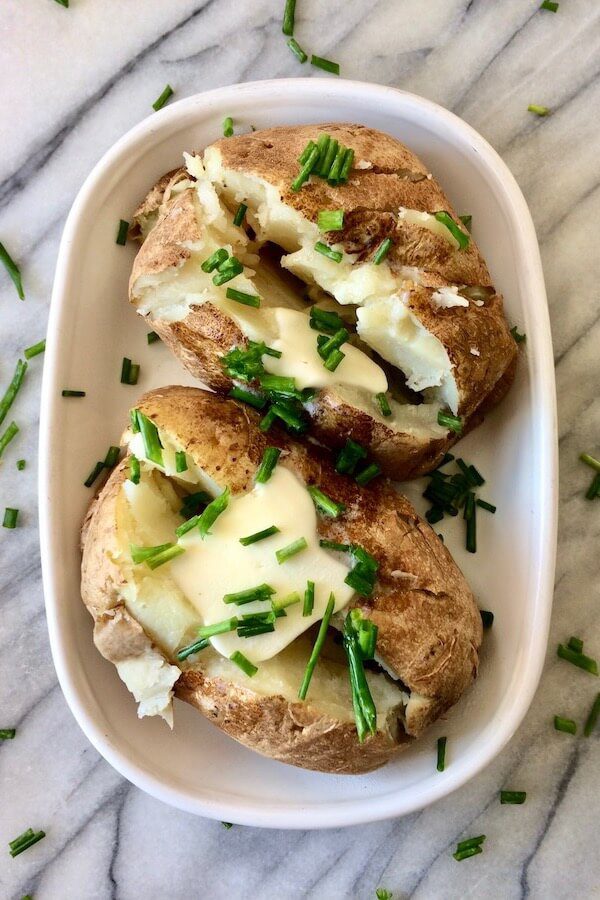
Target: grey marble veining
75	80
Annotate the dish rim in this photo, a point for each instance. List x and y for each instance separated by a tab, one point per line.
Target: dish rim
335	813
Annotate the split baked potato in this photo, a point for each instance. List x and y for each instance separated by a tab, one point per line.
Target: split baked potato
156	566
414	346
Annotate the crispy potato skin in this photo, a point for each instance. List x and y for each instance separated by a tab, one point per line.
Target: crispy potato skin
429	625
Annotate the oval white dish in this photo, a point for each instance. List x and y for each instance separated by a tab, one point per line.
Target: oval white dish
91	327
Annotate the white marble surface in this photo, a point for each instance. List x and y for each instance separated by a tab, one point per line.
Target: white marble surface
72	82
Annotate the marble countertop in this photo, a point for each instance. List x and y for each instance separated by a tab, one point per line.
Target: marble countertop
74	80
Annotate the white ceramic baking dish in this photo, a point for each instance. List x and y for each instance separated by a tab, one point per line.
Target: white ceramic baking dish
196	767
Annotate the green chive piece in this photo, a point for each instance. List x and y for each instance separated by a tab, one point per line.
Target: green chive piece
487	618
181	464
324	320
594	489
349	457
13	389
134	469
259	536
550	5
152	337
68	393
35	349
292	549
469	843
212	512
165	556
592	719
121	239
24	841
133	419
538	110
8	435
333	360
330	220
227	126
578	659
368	474
333	545
297	50
514	797
227	825
143	554
467	222
346	165
98	468
248	631
383	404
268	463
485	505
575	644
326	64
21	464
259	618
7	734
239	215
365	714
519	338
12	269
327	158
244	663
306	170
459	855
383	894
456	232
290	600
10	517
134	372
327	345
566	725
164	97
261	592
241	297
334	174
382	251
215	260
112	457
228	270
152	444
588	460
324	503
318	646
249	397
266	422
309	599
447	420
441	754
192	648
125	370
279	384
288	17
208	631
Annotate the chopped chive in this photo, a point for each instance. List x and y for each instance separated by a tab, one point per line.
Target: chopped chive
290	600
382	251
469	843
181	464
459	855
549	5
292	549
519	338
349	457
143	554
384	405
594	489
453	423
268	463
456	232
208	631
121	238
334	174
227	271
326	64
368	474
328	153
13	388
590	461
575	644
592	719
325	320
346	165
330	220
297	50
316	650
193	504
485	505
248	631
578	659
309	599
134	372
258	618
187	526
111	457
214	509
24	841
125	370
244	663
165	556
8	435
333	360
471	518
98	468
152	337
324	503
566	725
241	297
306	170
227	126
288	415
227	825
12	269
359	583
280	384
21	464
328	345
69	393
240	213
133	420
514	797
164	97
383	894
441	754
134	469
35	349
152	444
215	260
267	420
10	517
192	648
538	110
249	397
261	592
333	545
7	734
487	618
365	714
259	536
467	221
288	17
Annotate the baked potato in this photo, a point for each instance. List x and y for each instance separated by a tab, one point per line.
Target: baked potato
157	564
414	346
